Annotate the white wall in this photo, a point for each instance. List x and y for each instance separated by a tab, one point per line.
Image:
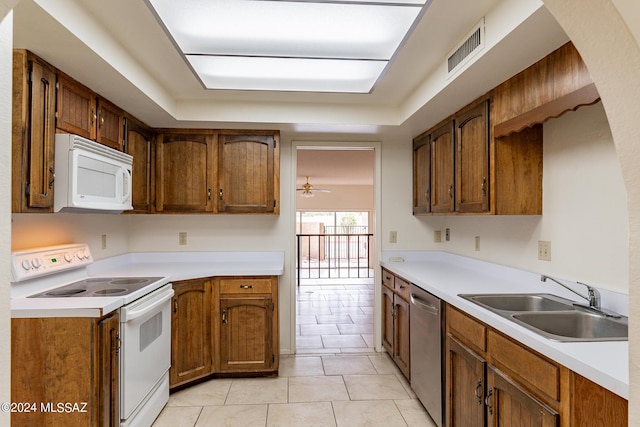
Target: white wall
584	209
341	198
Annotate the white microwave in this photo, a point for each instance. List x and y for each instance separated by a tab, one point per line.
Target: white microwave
90	177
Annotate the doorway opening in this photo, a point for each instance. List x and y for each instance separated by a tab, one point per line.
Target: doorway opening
335	250
333	246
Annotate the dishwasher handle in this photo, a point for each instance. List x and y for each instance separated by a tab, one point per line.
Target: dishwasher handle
422	304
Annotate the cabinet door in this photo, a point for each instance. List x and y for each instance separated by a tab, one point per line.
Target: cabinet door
110	124
191	331
472	159
401	349
465	376
421	175
76	111
248	173
184	172
387	319
246	334
38	146
510	405
109	333
442	171
139	144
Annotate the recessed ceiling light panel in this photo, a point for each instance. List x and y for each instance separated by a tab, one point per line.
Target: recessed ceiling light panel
370	30
286	74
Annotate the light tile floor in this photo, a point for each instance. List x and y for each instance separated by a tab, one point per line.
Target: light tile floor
336	379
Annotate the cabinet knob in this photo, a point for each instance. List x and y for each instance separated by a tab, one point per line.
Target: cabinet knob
246	286
224	317
451	191
484	186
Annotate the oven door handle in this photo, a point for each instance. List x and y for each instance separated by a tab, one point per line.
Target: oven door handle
129	314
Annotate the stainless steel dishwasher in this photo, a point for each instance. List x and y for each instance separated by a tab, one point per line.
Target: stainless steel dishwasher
425	331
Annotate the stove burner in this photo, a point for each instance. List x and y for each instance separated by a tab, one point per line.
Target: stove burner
110	291
132	281
64	292
99	287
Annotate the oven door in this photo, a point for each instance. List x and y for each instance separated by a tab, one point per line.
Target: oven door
145	354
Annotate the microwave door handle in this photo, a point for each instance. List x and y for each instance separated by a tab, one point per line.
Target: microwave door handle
126	176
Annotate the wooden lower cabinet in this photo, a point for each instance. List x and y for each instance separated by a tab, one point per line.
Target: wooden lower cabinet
509	404
224	326
70	360
246	325
191	344
493	380
395	320
465	385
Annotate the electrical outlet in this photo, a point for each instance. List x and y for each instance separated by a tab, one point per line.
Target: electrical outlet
437	236
104	241
477	243
544	250
182	238
393	237
447	234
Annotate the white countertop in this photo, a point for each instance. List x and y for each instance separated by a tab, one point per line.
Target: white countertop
447	275
170	265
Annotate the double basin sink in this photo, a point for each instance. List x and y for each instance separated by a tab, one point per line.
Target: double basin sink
553	317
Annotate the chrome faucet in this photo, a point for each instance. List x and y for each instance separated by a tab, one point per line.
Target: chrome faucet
593	296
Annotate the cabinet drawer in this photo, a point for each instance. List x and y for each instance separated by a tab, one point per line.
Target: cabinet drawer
246	286
537	372
402	288
466	329
387	279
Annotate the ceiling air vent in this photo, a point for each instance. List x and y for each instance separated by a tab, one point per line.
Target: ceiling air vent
472	44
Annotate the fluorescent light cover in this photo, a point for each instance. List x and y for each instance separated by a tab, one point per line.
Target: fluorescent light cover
286	74
284	28
289	45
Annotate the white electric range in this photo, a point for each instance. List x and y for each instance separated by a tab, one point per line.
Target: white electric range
54	282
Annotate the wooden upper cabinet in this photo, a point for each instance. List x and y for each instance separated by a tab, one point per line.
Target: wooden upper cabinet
184	171
82	112
110	124
421	174
558	83
139	140
248	172
76	112
33	133
472	159
442	168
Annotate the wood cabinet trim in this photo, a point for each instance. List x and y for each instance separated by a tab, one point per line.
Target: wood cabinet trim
540	373
466	329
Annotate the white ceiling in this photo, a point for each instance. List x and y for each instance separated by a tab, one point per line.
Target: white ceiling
118	49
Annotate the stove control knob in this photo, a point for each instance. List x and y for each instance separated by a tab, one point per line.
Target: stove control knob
68	257
26	264
79	255
36	263
85	254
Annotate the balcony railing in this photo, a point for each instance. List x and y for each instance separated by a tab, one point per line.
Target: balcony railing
328	256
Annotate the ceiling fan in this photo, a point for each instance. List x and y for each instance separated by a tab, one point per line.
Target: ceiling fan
308	190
